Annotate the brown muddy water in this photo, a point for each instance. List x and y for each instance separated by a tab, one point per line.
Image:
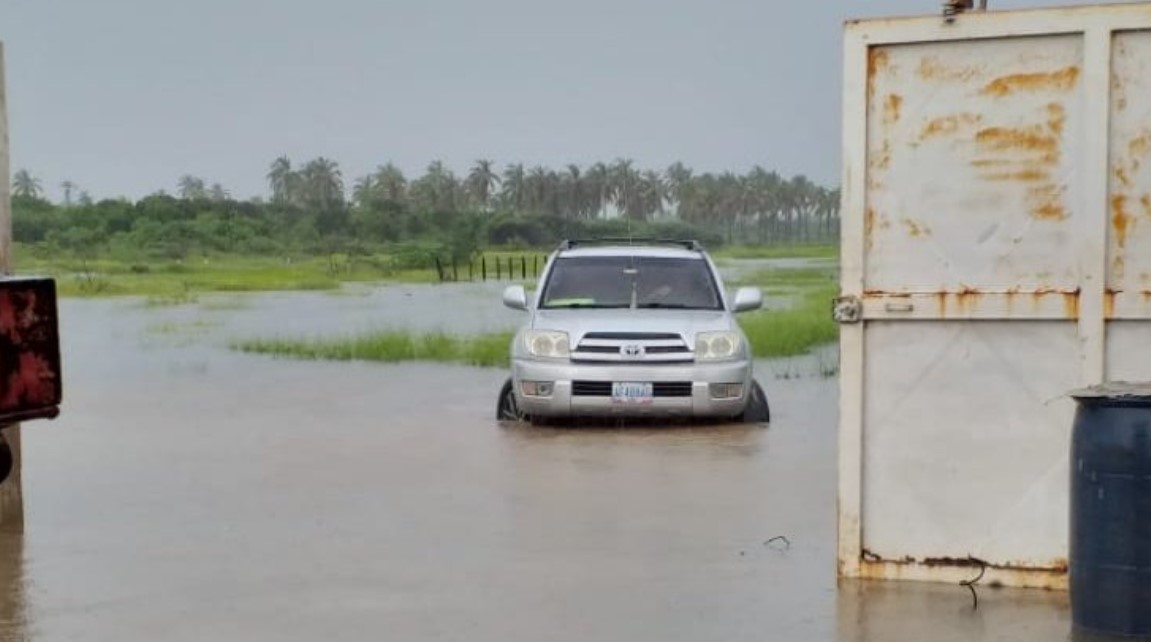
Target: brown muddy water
191	493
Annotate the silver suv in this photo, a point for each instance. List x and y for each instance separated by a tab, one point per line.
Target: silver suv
629	328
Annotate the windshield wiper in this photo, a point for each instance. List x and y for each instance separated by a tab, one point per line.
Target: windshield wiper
583	305
667	306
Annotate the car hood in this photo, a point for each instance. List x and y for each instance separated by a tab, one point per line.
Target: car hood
577	323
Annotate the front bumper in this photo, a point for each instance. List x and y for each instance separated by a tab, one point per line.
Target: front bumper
563	403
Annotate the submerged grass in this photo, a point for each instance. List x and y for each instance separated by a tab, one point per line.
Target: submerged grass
390	346
794	331
788	278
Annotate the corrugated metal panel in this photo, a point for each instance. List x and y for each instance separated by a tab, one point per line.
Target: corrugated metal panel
996	173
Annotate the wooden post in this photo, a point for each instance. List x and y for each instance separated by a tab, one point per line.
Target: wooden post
11	491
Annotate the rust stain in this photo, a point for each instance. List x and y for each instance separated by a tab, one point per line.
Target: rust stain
892	108
991	162
1062	80
1122	177
877	61
967	298
1050	212
882	160
1118	90
869	227
1023	176
1031	139
1046	203
1145	201
1140	145
941	303
915	229
931	68
1050	575
947	125
1109	304
1056	118
1071	304
1120	219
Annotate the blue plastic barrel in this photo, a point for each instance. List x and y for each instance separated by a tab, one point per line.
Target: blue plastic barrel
1110	547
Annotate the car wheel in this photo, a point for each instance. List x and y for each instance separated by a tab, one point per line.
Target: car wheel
507	409
757	410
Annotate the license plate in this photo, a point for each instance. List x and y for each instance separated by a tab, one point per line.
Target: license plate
631	392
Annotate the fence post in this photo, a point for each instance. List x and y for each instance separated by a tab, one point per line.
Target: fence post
484	268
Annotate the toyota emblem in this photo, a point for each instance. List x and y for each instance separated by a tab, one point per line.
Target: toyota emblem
632	351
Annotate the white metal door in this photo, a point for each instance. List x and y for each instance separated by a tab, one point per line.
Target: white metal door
997	239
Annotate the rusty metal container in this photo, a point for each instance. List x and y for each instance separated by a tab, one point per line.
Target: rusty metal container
1110	544
30	375
996	253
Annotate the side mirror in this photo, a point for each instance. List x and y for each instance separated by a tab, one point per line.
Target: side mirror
747	299
515	297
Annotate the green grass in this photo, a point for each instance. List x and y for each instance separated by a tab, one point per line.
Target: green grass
786	278
390	346
821	251
177	282
795	331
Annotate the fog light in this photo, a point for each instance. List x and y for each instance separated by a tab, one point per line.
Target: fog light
726	390
537	388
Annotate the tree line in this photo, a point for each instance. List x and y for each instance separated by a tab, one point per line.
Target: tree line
309	207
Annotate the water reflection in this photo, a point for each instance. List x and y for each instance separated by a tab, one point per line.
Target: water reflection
884	611
12	603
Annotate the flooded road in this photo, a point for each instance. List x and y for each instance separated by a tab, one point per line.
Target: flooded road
191	493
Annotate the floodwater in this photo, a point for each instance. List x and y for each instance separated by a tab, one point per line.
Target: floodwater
192	493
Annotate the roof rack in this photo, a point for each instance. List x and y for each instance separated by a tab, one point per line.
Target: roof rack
687	244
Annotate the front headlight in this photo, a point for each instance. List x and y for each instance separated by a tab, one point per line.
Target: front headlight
716	346
547	344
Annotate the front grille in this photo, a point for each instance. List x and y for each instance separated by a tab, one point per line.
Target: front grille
658	389
632	347
632	336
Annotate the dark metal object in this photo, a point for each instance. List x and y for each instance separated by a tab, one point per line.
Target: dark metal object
30	375
1110	547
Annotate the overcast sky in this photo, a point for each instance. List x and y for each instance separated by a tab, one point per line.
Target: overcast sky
123	97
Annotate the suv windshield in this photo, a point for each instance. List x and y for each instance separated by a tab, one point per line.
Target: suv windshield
621	281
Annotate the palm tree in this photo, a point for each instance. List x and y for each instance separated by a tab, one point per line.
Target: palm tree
678	181
481	183
623	179
597	182
514	187
25	185
652	194
364	190
390	183
573	200
191	188
323	184
67	186
281	179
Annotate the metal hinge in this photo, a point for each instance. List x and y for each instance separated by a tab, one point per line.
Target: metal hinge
847	309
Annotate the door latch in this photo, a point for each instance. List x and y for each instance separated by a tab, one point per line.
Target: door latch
847	309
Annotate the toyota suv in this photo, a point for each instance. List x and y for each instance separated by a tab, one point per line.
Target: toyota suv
630	328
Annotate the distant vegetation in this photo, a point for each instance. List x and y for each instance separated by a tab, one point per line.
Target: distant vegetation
310	211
